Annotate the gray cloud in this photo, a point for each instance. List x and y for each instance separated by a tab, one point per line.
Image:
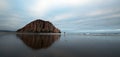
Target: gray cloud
93	15
10	22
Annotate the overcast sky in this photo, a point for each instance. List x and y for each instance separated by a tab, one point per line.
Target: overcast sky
67	15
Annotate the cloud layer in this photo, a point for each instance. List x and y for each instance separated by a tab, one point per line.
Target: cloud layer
69	16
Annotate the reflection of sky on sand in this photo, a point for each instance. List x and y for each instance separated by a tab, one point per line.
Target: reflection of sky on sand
68	45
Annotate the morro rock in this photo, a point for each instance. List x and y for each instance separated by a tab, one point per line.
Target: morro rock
39	26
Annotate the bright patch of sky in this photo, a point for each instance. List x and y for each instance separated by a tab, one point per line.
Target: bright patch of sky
67	15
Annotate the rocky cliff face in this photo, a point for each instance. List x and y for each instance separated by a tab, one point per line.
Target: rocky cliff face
39	26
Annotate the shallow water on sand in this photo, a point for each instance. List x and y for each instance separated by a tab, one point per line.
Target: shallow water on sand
56	45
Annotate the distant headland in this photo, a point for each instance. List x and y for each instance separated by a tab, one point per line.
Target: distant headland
39	26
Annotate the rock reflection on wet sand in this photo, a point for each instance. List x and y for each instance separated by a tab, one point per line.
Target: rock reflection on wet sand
36	41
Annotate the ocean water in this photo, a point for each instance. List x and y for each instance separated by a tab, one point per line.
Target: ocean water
59	45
